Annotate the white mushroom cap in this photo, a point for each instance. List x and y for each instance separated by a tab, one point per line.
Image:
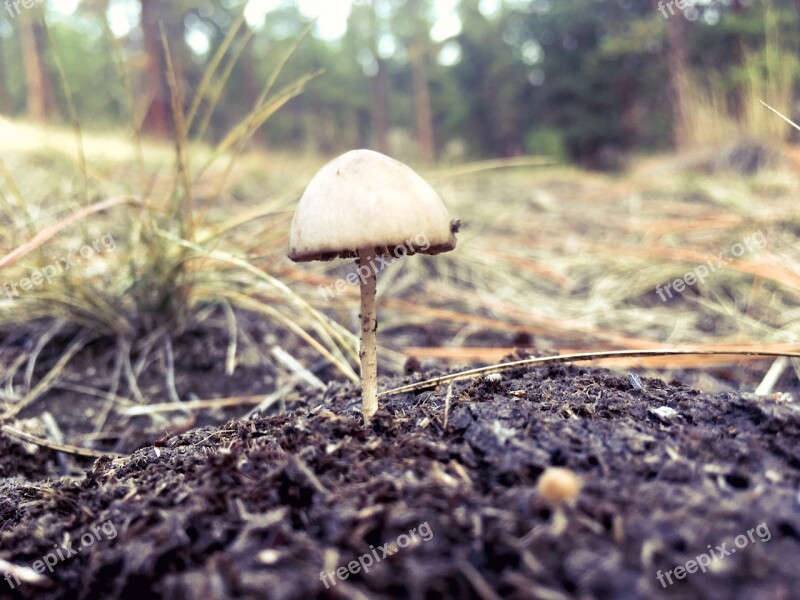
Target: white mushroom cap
364	199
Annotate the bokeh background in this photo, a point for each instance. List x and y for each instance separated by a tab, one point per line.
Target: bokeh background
584	81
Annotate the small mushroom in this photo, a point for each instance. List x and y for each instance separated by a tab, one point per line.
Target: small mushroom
366	205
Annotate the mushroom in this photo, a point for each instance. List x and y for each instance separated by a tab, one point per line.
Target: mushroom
366	205
558	485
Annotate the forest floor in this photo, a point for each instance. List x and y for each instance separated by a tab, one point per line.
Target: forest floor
436	499
690	481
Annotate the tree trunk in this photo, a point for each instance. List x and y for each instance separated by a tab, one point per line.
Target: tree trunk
156	120
5	100
39	92
677	65
422	100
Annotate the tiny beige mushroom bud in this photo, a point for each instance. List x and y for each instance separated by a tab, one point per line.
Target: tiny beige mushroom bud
370	207
558	485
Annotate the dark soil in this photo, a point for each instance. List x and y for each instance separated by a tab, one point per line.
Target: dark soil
260	508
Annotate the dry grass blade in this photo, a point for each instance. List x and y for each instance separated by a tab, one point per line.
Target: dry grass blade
248	126
96	392
283	62
781	115
181	145
774	373
191	405
247	217
65	448
211	70
24	574
130	375
483	589
491	165
327	325
43	340
309	475
269	311
219	87
99	312
262	110
169	359
294	365
233	330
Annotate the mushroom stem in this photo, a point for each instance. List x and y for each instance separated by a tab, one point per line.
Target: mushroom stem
369	328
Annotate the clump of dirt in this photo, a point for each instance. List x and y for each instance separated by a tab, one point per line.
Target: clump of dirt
436	499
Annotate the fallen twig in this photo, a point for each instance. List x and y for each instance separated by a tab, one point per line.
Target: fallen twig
565	358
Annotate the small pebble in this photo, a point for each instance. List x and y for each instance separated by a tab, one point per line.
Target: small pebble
268	556
635	381
665	413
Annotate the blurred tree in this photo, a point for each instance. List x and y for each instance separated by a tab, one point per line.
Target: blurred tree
156	120
494	79
630	53
412	26
5	97
39	90
580	79
170	16
586	93
677	63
